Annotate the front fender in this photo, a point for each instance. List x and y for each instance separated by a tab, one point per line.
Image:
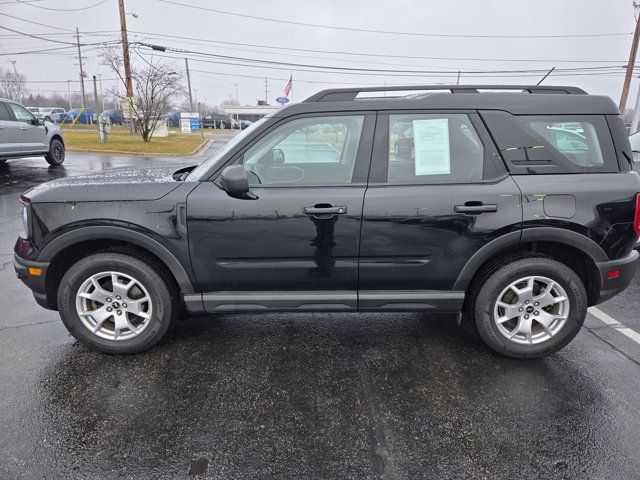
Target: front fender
100	232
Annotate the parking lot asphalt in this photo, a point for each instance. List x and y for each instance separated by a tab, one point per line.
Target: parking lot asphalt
389	396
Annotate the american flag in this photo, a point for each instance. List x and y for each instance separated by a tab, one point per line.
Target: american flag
289	86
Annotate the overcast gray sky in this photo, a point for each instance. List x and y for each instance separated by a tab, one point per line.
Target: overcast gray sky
447	54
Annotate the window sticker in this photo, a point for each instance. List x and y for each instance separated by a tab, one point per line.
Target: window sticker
431	146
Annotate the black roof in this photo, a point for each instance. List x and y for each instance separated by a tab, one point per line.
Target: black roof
516	99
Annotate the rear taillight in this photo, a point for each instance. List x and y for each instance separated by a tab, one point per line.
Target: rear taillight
636	216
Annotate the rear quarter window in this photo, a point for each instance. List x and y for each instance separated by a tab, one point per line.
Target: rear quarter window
539	144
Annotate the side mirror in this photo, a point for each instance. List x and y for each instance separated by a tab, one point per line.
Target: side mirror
278	155
39	121
235	181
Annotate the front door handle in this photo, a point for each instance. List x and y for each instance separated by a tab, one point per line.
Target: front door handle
324	210
476	208
23	128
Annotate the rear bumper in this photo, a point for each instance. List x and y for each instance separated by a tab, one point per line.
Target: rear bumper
626	268
36	283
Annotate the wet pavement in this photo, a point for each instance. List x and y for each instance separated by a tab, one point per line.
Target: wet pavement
390	396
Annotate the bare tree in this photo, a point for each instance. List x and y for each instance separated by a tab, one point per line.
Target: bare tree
12	84
155	85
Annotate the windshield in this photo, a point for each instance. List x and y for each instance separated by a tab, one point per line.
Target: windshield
198	173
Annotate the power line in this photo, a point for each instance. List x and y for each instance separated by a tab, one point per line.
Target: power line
336	69
388	32
418	74
35	23
61	9
376	55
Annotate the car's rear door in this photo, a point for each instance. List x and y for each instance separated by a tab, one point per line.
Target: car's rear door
437	193
295	245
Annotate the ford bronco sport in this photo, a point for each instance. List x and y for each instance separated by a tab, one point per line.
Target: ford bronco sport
515	207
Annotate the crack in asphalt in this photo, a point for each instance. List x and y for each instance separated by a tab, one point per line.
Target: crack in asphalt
380	447
612	346
27	325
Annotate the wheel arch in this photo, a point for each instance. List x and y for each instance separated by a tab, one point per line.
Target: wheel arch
69	247
571	248
57	136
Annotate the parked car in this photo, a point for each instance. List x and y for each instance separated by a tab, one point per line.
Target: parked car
245	124
311	209
48	114
83	115
115	116
634	140
218	120
24	135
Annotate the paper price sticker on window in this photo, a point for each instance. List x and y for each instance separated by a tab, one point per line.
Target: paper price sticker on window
431	146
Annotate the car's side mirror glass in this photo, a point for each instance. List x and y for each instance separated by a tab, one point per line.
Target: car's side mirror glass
277	155
636	156
235	181
39	121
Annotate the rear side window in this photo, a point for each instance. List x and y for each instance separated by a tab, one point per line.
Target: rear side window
576	141
553	144
434	148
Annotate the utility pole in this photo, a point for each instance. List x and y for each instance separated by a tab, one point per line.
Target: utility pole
69	93
630	63
127	62
186	63
84	95
95	91
266	90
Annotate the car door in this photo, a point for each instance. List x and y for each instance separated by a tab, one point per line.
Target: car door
9	133
295	245
31	135
437	193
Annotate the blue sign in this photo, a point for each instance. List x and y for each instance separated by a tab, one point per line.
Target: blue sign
282	100
195	124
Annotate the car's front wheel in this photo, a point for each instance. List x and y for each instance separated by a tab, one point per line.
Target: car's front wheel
116	303
56	153
530	307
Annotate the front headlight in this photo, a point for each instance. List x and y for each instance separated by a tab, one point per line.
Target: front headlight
26	219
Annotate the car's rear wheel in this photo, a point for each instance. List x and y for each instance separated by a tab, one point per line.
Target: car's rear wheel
56	153
116	303
530	307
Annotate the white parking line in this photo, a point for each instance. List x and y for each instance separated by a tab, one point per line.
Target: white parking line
600	315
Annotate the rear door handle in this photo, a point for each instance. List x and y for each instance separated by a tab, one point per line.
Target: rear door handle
472	208
324	210
23	128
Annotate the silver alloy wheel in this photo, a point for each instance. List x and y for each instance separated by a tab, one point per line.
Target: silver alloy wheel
531	310
114	305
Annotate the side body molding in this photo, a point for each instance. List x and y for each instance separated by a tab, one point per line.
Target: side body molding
546	234
63	241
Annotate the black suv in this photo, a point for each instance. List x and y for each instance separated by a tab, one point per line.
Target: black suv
517	209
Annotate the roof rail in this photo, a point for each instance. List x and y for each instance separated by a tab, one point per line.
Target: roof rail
348	94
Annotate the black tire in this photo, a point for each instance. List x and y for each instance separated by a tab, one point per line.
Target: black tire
501	277
161	294
56	153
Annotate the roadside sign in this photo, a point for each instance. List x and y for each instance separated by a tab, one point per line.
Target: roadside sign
190	122
282	100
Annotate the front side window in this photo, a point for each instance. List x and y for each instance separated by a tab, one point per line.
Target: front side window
4	113
434	148
306	151
21	113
